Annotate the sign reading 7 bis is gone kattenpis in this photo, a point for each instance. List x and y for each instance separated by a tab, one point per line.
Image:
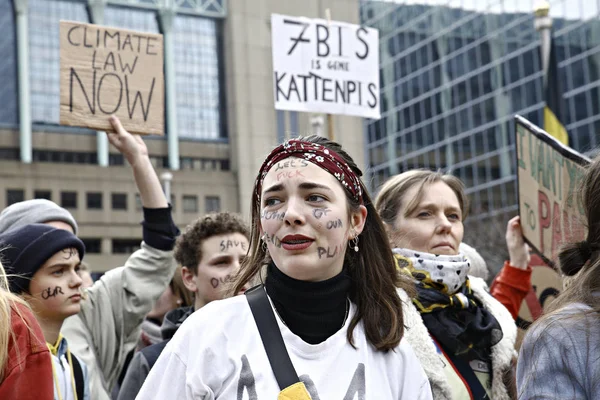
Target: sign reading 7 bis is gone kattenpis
549	178
325	66
105	71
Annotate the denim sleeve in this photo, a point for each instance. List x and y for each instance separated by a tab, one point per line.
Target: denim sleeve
558	357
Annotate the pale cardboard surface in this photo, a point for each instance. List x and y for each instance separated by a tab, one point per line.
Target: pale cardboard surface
106	71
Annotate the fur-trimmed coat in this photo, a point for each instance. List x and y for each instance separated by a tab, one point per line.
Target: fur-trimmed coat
503	353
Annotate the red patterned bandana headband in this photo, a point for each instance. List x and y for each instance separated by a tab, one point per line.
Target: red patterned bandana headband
317	154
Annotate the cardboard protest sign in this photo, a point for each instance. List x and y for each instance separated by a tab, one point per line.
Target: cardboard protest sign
549	176
546	285
325	66
105	71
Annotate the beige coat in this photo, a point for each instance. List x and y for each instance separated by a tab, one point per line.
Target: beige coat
502	353
108	326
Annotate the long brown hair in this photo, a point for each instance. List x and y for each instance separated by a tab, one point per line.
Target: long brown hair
7	304
372	271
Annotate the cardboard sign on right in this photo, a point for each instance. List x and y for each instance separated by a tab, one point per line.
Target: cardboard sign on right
549	178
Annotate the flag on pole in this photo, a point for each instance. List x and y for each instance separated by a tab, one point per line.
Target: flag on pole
554	114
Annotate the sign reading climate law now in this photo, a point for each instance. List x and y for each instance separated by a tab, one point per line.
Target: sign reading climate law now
549	179
325	66
105	71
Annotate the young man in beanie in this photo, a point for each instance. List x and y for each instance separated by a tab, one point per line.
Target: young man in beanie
107	328
41	263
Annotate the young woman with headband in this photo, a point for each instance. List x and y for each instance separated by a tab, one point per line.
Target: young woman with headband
330	285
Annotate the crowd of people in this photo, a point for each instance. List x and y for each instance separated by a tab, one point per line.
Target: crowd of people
325	294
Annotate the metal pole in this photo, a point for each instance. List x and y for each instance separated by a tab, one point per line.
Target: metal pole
167	15
23	77
96	11
543	24
166	178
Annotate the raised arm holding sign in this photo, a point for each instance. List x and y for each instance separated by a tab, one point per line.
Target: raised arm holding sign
106	71
549	175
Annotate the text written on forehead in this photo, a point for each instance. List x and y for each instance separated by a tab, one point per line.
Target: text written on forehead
228	244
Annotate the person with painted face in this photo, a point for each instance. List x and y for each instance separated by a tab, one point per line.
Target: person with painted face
330	292
209	252
463	337
42	265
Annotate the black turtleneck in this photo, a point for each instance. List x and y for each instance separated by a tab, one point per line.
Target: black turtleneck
312	310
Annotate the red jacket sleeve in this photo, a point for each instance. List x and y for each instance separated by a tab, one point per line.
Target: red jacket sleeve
511	286
28	371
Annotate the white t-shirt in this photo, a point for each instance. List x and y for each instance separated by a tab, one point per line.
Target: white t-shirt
218	354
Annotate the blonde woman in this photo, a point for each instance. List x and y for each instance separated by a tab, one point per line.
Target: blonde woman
25	365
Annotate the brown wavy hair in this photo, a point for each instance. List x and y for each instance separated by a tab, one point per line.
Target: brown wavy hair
372	271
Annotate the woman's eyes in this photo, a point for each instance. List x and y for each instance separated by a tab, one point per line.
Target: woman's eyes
57	272
454	216
315	198
423	214
272	202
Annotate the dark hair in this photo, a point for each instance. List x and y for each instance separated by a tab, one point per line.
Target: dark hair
372	270
188	248
390	199
581	259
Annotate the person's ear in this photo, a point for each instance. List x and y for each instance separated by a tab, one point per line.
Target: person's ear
358	220
188	279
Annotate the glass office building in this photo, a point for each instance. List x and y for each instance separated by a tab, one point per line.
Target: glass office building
454	73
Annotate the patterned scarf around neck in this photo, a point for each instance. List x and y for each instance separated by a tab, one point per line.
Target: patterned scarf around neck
450	311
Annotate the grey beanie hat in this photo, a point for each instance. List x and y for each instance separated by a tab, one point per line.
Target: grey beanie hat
36	211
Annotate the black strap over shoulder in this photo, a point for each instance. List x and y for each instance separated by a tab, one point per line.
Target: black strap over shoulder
78	374
271	337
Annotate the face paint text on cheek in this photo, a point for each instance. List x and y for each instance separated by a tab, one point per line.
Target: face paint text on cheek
273	239
335	224
215	282
49	292
266	215
228	244
330	252
292	163
319	212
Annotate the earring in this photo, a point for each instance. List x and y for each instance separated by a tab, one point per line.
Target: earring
264	243
354	243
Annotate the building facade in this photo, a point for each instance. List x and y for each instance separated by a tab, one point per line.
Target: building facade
453	75
220	116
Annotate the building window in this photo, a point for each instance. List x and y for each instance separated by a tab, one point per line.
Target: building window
42	194
14	196
190	204
68	199
119	201
125	246
9	112
92	246
44	54
212	204
94	200
197	77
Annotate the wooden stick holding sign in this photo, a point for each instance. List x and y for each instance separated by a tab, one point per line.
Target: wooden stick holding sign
548	178
106	71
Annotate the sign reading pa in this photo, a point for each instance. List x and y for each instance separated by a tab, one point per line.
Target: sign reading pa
549	180
105	71
325	66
